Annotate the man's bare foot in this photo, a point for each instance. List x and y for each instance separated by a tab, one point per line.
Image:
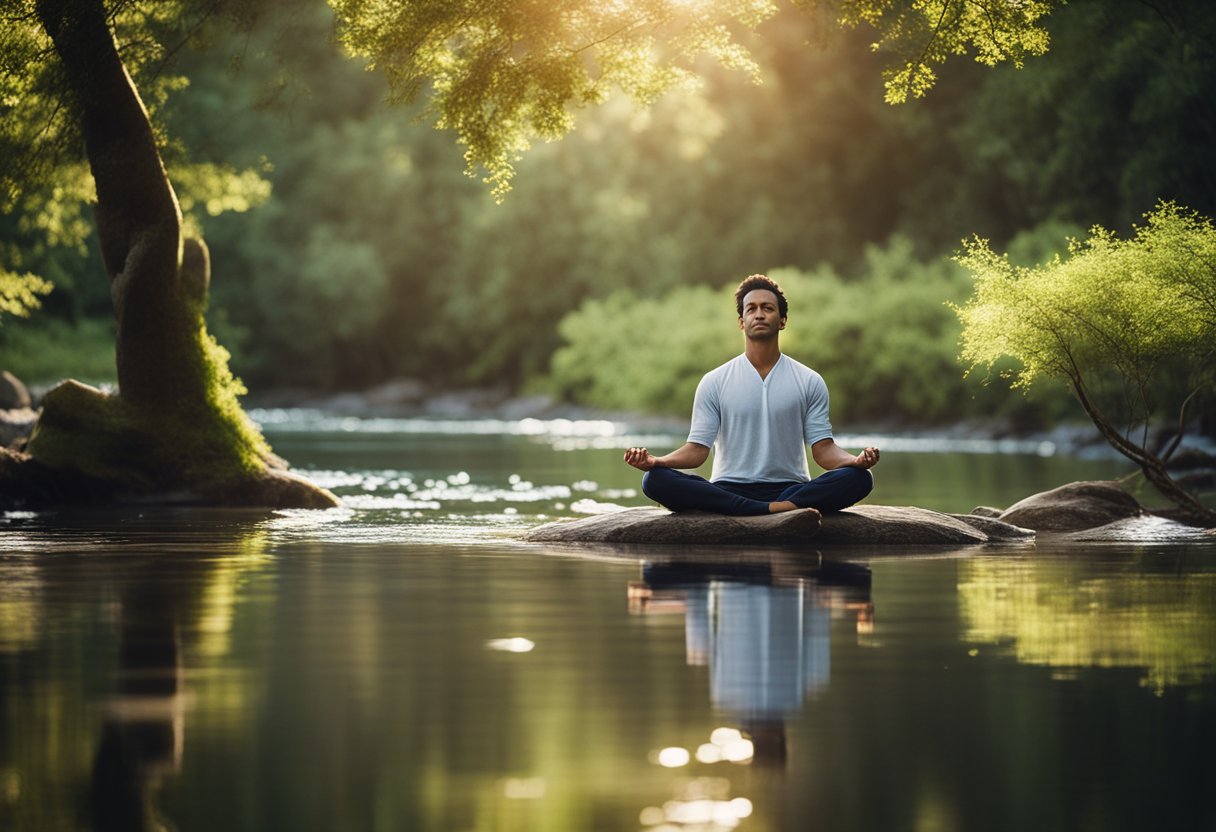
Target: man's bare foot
786	505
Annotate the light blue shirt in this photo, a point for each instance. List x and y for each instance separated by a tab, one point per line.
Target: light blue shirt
759	428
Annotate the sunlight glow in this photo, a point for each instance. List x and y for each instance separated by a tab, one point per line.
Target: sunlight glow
524	788
511	645
726	744
707	814
673	757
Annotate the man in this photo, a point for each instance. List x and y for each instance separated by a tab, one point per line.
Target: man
758	411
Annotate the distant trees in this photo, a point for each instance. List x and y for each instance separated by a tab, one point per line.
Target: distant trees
884	340
1128	324
813	173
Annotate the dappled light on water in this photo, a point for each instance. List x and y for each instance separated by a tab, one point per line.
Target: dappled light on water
392	505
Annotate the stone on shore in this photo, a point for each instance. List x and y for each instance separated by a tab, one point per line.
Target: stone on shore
860	525
13	393
16	423
1072	507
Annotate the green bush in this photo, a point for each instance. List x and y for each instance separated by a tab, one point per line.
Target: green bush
886	342
47	350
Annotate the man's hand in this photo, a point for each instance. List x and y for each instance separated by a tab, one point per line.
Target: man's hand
866	459
641	459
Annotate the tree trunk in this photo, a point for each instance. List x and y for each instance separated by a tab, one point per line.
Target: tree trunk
1153	468
139	223
175	431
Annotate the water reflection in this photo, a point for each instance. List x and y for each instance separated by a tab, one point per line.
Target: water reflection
764	632
142	727
97	627
1072	616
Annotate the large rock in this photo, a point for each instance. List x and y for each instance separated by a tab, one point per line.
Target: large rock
27	483
1078	505
13	394
860	525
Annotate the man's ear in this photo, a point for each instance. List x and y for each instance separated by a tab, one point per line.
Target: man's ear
782	323
740	322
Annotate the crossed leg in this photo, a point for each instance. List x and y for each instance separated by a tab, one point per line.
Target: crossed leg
830	491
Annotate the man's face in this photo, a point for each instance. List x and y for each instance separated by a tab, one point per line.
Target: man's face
761	319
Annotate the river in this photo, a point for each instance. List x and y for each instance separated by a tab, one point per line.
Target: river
405	662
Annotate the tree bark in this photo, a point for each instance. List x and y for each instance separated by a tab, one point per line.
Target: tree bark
1150	464
138	219
175	432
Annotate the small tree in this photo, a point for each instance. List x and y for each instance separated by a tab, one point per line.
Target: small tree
1128	324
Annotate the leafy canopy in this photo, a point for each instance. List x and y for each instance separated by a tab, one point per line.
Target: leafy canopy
503	74
922	33
45	183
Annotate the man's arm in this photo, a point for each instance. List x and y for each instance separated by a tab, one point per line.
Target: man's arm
829	456
689	455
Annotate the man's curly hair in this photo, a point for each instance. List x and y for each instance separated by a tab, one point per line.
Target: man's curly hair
759	281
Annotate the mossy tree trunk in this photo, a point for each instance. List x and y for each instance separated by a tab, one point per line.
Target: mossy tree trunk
175	430
139	224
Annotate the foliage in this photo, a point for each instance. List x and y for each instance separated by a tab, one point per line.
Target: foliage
928	32
1134	306
648	352
503	75
44	179
50	350
1145	97
373	257
885	342
19	293
1128	324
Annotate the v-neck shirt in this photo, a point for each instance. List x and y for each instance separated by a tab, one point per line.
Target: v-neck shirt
759	427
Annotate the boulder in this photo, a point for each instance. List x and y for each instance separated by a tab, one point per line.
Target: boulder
13	394
860	525
16	423
27	483
1078	505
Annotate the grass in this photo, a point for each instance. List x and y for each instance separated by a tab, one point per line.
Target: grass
42	352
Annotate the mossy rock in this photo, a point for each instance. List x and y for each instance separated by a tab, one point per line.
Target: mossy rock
90	447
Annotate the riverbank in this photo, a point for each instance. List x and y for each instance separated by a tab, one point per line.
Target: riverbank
413	399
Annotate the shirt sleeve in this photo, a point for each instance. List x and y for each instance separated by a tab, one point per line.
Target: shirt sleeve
706	414
817	426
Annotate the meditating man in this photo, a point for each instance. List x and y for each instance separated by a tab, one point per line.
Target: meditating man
758	411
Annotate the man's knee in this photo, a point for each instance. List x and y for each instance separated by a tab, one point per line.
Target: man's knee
850	484
654	482
861	481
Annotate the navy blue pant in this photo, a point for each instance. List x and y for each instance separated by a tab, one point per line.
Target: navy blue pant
830	491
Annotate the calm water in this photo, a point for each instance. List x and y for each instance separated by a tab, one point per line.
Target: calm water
406	663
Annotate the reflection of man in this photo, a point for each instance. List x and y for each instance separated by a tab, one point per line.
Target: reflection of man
769	648
758	411
766	640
